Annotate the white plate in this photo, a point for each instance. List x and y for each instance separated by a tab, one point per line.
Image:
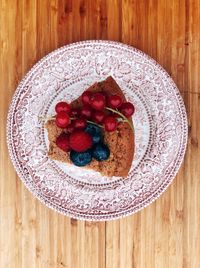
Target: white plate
160	130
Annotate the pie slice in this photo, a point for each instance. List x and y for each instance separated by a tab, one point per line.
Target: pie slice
120	141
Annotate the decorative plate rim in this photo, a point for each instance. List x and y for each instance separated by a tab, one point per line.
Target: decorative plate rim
105	216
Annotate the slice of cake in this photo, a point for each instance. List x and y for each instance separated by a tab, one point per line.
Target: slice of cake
99	132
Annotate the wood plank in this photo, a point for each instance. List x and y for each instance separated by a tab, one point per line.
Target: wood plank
193	44
191	201
94	245
114	25
113	244
10	186
130	253
28	58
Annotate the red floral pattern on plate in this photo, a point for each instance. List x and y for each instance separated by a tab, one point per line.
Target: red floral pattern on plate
160	129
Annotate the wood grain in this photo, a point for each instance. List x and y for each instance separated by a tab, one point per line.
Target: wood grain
165	234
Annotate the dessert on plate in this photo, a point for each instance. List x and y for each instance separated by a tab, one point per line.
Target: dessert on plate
95	131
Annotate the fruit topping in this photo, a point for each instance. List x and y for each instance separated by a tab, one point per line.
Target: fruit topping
74	112
79	123
80	141
110	123
98	116
86	112
62	119
95	132
70	128
98	101
127	109
62	142
86	97
83	125
81	159
62	107
114	101
101	152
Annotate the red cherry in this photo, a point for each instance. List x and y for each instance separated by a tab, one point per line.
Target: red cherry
127	109
79	123
62	142
62	107
98	101
74	112
80	141
104	94
62	120
114	101
86	111
98	116
70	128
110	123
86	97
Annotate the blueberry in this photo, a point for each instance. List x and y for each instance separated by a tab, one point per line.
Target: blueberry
101	152
95	132
81	159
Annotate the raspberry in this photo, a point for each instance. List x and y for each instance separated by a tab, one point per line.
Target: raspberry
62	142
80	141
70	128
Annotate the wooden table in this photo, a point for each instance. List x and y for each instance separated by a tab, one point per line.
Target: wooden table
166	233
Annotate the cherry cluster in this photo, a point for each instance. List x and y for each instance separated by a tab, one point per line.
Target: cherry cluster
98	108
